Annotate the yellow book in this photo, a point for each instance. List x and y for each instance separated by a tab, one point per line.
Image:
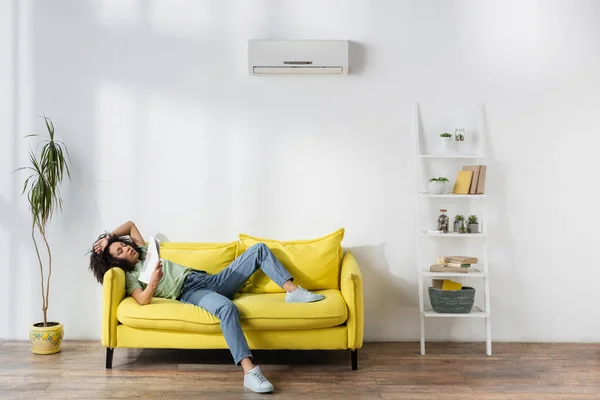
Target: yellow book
463	182
451	285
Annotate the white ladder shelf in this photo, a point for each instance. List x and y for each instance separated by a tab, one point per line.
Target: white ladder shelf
423	272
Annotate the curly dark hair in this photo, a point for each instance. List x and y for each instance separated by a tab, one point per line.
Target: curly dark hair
102	262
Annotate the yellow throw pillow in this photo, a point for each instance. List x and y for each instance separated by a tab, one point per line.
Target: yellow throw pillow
314	264
210	257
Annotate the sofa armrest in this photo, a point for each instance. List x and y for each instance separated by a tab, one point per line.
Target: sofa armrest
351	286
113	292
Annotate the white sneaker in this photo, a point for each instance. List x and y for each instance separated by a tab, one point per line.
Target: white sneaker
302	295
256	381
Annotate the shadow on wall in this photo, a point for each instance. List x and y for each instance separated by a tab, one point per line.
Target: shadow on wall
357	58
386	296
103	85
19	226
17	223
503	239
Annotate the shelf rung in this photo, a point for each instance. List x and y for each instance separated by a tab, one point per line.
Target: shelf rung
461	235
475	313
453	196
478	274
457	156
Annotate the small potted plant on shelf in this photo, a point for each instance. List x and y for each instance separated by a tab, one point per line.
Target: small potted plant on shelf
47	168
438	185
457	222
473	226
446	139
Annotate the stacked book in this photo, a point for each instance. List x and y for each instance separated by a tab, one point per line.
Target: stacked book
458	264
471	180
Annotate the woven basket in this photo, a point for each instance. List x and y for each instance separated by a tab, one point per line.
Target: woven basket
452	301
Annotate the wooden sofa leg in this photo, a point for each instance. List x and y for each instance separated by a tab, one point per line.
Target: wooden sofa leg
109	357
354	354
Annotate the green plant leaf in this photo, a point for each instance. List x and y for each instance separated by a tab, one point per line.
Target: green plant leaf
50	127
21	168
25	185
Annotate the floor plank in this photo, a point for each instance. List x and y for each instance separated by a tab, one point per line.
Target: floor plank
461	371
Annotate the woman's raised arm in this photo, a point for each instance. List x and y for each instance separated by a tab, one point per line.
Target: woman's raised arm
130	229
127	229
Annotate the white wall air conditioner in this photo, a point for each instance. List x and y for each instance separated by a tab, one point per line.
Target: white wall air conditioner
297	57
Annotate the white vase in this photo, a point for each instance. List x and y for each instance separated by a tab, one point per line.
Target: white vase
436	187
446	143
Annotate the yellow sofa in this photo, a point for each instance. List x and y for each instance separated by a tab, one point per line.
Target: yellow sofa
336	323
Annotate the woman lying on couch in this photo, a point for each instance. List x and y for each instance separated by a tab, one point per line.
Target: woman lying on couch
210	292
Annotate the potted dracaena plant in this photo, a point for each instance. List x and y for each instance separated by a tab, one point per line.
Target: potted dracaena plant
473	226
47	167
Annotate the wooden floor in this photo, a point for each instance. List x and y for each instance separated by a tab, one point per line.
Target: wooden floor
455	371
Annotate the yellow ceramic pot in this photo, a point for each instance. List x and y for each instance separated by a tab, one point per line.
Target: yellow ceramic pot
46	340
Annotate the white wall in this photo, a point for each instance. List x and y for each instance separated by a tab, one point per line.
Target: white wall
157	90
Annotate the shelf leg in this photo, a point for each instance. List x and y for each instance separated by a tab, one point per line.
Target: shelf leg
421	313
488	328
422	334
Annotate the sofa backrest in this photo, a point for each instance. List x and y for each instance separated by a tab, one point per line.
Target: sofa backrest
314	264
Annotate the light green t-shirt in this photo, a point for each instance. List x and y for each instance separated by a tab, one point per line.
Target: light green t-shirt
169	286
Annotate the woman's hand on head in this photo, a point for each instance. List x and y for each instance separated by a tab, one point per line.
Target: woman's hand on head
100	245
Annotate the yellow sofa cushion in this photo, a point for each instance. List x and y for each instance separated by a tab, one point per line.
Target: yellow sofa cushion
210	257
314	264
256	311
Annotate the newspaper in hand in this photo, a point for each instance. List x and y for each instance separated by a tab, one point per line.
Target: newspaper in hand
152	257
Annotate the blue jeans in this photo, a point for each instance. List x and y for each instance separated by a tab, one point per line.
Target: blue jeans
214	292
